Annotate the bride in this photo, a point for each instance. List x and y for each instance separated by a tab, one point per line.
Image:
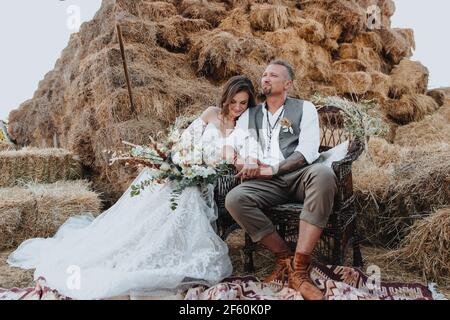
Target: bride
140	244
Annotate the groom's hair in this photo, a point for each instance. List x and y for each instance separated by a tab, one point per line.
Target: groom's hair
287	65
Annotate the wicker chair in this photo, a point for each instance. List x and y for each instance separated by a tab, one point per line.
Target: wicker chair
340	232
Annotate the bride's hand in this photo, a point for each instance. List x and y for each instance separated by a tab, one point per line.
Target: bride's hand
249	169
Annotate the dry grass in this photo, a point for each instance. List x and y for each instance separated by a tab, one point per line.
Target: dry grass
6	146
39	165
426	247
14	277
398	185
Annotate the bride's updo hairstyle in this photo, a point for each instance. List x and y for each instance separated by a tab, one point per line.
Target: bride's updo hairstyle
233	86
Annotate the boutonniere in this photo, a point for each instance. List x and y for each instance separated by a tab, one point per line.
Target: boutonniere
286	125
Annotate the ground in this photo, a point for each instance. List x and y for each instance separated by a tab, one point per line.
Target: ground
390	271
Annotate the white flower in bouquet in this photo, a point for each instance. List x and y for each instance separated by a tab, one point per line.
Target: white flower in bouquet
165	167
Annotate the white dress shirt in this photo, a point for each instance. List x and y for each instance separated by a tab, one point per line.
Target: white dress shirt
309	139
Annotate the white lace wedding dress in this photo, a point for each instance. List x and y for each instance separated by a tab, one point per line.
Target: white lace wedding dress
139	244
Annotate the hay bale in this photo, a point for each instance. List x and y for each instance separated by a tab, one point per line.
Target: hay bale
38	210
310	30
155	11
39	165
408	77
407	185
397	43
173	33
421	184
426	247
349	65
410	108
381	84
237	22
268	17
357	83
383	153
55	203
351	17
370	40
222	55
438	96
311	62
434	128
15	203
213	12
366	55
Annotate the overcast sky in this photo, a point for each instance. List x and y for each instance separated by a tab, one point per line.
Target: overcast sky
33	34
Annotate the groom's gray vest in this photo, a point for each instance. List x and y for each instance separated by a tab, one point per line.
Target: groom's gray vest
293	110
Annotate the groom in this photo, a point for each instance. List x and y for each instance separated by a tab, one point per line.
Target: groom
287	131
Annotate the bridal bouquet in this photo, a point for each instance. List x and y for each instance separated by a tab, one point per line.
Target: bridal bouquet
179	160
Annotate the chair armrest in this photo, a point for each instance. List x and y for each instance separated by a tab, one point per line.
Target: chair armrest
342	167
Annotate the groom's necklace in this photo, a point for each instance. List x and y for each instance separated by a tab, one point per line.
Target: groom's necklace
270	128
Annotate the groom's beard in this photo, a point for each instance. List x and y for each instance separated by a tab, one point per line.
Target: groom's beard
267	91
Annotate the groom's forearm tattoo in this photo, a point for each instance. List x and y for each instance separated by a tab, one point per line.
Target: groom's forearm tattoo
292	163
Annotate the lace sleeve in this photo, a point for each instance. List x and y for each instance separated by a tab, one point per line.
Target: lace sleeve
193	133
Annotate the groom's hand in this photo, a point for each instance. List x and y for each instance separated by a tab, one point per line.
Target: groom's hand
249	171
265	171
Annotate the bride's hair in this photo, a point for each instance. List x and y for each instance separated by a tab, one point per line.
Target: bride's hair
233	86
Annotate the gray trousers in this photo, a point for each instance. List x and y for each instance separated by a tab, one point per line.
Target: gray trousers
315	186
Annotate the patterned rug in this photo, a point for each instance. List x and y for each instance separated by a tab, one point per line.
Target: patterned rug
337	283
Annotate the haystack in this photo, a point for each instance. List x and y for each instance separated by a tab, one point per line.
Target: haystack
410	108
408	77
357	83
179	55
38	210
268	17
39	165
426	247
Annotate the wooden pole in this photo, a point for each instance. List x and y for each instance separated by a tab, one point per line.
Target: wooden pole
125	67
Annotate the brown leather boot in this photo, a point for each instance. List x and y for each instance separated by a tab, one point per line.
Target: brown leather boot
299	279
281	269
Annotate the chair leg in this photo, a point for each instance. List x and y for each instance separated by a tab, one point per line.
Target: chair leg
337	251
249	247
357	256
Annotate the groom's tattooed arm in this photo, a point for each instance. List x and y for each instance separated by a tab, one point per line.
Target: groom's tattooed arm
292	163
